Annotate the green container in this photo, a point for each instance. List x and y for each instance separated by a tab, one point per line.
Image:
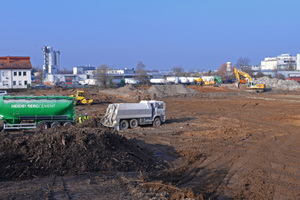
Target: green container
15	109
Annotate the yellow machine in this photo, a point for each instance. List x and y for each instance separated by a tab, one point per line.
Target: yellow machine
211	81
199	81
80	99
245	78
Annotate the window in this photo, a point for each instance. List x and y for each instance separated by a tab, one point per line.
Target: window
20	82
160	106
14	82
24	73
20	73
25	82
4	74
4	83
15	73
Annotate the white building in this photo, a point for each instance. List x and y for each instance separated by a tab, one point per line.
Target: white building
121	71
298	61
51	61
84	70
15	72
283	62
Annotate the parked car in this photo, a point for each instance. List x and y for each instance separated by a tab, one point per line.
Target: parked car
2	93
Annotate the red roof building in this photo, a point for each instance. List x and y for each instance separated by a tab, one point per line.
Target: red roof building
15	72
15	62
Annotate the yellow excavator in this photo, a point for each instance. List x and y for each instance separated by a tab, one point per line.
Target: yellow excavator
245	78
80	99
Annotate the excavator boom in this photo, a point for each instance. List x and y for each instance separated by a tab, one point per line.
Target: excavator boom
245	78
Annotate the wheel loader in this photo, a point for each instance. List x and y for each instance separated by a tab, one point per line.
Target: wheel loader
80	99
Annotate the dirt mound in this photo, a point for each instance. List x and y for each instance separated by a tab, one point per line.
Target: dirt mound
162	91
131	92
70	152
279	84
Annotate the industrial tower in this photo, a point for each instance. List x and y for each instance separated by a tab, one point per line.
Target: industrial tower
51	60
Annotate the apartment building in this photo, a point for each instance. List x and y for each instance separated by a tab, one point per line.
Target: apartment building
15	72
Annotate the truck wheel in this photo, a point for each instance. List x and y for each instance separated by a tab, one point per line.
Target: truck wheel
156	122
55	124
43	125
68	124
133	123
124	125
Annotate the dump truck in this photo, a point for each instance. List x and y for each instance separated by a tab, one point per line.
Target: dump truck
80	99
24	112
121	116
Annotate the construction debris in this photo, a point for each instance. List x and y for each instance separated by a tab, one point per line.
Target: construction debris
279	84
70	151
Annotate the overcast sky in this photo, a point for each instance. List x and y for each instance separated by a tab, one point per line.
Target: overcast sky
194	34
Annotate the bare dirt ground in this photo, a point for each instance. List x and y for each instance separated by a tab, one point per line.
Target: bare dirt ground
221	143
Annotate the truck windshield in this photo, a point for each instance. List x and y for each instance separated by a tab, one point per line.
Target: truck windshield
160	106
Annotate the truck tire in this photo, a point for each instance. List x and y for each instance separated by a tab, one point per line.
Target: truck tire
156	122
68	124
43	125
124	125
55	124
134	123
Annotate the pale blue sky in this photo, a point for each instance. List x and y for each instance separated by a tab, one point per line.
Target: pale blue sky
195	34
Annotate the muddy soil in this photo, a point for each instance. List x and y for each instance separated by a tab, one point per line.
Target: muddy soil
218	144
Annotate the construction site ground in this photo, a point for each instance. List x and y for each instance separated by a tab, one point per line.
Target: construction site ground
216	143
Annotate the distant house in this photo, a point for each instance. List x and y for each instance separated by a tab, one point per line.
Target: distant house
15	72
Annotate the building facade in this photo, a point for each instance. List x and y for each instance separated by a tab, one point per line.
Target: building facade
283	62
15	72
84	70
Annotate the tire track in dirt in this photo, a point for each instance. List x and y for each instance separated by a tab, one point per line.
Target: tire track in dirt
263	161
59	189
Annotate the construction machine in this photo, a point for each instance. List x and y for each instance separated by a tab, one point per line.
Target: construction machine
212	81
80	99
245	78
199	81
121	116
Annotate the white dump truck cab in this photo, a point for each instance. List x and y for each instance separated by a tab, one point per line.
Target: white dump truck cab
124	115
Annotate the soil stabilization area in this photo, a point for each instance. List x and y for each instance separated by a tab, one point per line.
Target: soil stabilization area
217	143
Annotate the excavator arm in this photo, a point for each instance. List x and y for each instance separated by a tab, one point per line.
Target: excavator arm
242	77
245	78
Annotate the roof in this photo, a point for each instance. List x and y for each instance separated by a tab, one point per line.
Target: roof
15	62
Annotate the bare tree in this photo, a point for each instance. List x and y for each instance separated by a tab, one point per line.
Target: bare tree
242	63
249	71
40	76
222	70
178	71
65	71
101	75
259	74
141	72
36	69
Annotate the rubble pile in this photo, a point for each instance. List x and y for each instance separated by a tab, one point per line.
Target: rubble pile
279	84
72	151
162	91
131	92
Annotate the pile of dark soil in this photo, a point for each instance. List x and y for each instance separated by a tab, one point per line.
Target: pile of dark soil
162	91
72	151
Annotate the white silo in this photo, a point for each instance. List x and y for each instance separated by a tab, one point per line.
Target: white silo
229	67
